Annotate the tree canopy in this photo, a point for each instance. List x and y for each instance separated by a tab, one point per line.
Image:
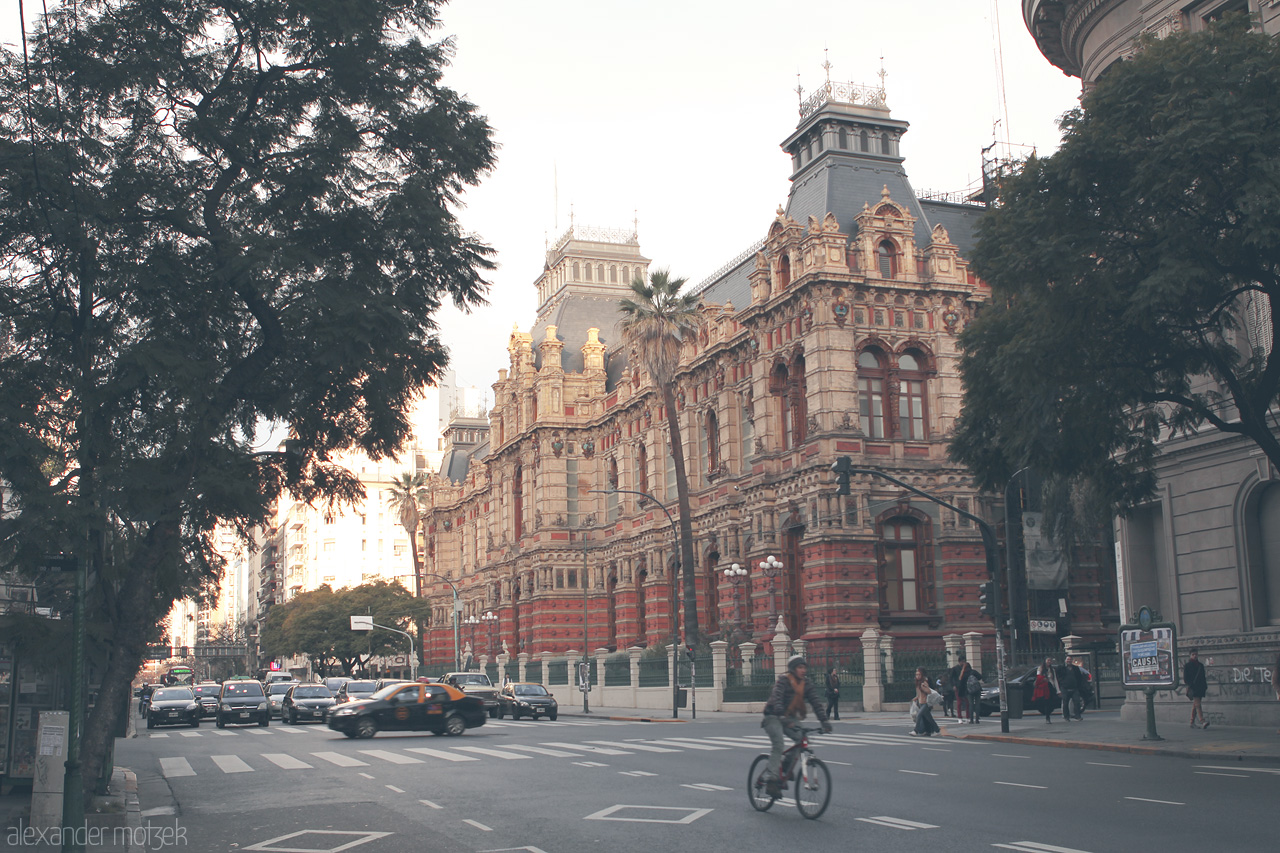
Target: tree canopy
317	623
215	215
1134	273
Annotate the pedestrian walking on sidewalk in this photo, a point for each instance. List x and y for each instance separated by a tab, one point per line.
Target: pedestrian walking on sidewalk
960	679
1045	694
948	691
833	694
1197	682
925	724
1069	677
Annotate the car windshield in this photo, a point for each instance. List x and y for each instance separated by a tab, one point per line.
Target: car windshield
388	690
361	686
474	678
530	690
312	691
280	688
242	688
169	694
207	690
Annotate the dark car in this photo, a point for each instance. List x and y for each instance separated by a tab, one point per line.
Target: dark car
527	699
242	702
354	690
275	696
437	708
306	702
173	706
207	695
1019	682
475	684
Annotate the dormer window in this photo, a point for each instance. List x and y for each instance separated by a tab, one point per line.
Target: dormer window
863	141
888	258
784	272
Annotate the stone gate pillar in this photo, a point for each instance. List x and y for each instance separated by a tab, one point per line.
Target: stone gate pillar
872	684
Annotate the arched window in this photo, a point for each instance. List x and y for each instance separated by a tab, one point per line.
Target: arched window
888	258
613	275
784	272
843	137
780	386
611	499
798	393
748	434
587	269
600	273
901	580
575	271
626	272
911	397
517	502
713	441
871	381
863	141
642	469
1263	528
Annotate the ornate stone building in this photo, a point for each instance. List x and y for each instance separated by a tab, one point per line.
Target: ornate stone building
834	336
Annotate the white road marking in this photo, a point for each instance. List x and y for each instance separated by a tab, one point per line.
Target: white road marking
896	822
394	788
934	749
1104	764
157	737
430	804
918	772
286	762
1020	785
231	764
290	730
723	741
1238	768
1003	755
366	775
1036	847
1233	775
477	824
340	759
495	753
585	748
590	764
259	731
635	773
439	753
189	734
174	767
224	733
689	745
706	786
392	757
538	750
1161	802
640	746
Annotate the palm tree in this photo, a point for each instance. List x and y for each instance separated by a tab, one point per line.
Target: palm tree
654	322
407	494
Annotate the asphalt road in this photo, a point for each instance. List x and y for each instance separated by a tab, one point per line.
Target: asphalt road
580	785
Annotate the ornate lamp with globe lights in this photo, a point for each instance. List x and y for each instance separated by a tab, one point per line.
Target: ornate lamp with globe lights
736	573
772	567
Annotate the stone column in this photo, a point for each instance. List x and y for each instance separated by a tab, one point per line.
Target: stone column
799	647
484	664
523	665
635	652
872	685
886	647
748	661
781	647
571	659
719	674
597	695
953	643
1071	645
503	660
973	650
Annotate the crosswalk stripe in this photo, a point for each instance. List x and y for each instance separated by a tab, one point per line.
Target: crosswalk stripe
224	733
496	753
189	734
174	767
339	759
510	725
702	746
538	750
158	736
259	731
285	762
726	741
640	746
290	730
439	753
896	822
603	750
231	764
393	757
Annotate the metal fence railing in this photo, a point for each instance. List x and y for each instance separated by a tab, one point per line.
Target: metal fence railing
557	672
617	671
849	671
654	672
900	681
533	671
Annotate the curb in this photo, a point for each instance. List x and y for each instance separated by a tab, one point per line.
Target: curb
1133	749
133	810
624	719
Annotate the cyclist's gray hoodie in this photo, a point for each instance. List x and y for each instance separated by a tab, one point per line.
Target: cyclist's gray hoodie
782	694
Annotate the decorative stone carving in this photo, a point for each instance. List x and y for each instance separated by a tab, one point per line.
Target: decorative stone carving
557	444
759	444
846	422
588	448
813	424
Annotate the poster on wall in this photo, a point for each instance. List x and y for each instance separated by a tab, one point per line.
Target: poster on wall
1147	653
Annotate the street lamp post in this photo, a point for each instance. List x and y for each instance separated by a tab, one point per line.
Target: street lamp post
366	623
457	661
675	632
772	567
735	573
473	621
491	619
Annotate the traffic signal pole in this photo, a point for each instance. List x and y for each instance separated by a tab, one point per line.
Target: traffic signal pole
843	468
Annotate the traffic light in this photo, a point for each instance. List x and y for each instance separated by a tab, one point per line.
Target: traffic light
841	466
987	598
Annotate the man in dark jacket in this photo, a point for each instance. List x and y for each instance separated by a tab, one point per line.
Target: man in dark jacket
1193	676
783	712
1069	679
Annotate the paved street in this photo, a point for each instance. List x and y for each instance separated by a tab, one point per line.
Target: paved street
582	784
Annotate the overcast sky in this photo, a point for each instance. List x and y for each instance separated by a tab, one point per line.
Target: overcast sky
671	114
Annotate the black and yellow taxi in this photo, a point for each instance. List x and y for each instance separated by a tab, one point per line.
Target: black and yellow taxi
438	708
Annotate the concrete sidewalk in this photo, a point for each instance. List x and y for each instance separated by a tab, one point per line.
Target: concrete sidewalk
112	823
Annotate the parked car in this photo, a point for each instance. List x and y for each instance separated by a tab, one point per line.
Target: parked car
275	696
207	695
354	690
173	706
387	682
242	702
527	698
475	684
273	677
438	708
334	682
1020	684
306	702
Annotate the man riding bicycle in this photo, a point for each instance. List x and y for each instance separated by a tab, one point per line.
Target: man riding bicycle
783	712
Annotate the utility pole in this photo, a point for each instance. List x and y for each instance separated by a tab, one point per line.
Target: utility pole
586	662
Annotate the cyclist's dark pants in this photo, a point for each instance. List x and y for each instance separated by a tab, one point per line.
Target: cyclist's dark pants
776	727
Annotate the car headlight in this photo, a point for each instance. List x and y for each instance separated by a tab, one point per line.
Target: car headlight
344	712
262	706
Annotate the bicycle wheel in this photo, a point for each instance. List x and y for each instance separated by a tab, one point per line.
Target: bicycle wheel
813	789
760	799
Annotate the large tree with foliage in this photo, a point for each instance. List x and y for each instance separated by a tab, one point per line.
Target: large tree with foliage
1134	273
407	493
654	323
213	215
318	624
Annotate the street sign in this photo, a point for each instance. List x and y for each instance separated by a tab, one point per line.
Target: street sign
584	677
361	623
1044	626
219	651
159	652
58	562
1148	651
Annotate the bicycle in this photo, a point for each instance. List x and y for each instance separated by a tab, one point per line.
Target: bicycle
812	778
